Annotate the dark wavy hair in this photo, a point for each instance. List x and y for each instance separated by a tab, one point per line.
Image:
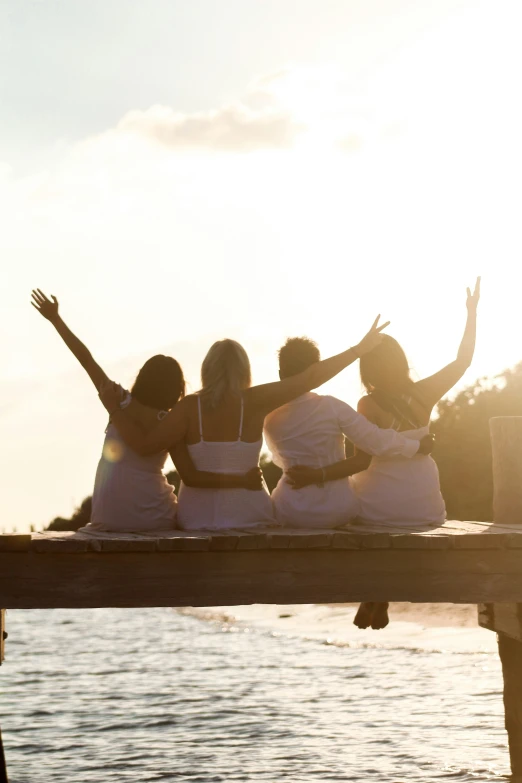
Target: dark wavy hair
386	367
296	355
160	383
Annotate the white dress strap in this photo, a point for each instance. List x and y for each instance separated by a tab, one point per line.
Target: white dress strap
200	419
241	419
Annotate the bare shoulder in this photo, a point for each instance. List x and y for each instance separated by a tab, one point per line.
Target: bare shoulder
369	409
366	404
185	405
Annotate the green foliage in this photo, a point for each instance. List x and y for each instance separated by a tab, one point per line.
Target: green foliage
462	446
81	517
462	449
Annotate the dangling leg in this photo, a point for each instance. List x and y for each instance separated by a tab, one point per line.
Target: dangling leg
380	617
364	615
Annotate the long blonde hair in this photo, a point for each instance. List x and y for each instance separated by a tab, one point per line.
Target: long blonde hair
225	369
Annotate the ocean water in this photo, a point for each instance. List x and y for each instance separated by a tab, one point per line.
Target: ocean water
113	695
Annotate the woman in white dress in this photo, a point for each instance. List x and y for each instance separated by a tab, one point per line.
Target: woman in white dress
131	492
222	427
396	489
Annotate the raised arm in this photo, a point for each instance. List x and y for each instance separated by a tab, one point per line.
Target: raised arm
49	310
431	390
270	396
191	477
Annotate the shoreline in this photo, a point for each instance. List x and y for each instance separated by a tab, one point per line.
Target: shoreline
436	628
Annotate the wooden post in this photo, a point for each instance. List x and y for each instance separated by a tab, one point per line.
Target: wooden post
510	651
3	768
506	444
3	636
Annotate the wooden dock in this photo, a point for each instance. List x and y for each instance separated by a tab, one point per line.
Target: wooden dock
458	562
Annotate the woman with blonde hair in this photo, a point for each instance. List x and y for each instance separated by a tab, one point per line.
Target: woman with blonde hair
222	428
131	492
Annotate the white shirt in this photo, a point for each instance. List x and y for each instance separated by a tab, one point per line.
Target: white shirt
310	431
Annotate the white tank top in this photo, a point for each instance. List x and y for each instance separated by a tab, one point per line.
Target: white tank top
219	509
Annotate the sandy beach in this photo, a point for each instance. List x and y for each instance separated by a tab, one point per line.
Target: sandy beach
433	627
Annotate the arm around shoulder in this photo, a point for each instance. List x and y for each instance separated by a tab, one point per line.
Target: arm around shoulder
163	437
270	396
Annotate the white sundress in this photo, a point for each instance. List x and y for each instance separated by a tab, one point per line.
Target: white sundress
397	489
131	492
222	509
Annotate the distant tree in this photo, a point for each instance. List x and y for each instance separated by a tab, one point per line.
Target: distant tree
80	517
463	449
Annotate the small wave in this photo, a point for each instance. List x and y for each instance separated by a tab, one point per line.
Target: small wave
232	624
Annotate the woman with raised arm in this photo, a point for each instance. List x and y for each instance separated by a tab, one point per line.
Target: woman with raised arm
222	426
397	489
131	491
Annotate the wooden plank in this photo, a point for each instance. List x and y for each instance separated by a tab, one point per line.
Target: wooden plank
474	541
56	545
253	541
469	535
210	578
278	540
421	542
15	543
344	540
184	544
223	543
311	541
128	545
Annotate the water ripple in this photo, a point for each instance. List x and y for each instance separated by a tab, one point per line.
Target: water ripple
120	696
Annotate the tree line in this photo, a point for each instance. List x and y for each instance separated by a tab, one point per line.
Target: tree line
462	450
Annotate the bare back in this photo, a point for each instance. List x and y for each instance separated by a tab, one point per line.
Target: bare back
145	417
385	419
222	423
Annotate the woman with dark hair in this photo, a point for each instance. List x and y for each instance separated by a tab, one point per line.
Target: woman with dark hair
394	489
222	427
131	491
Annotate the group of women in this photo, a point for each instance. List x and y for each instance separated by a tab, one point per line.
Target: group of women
215	436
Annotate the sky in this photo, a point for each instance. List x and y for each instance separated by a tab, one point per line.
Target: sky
176	172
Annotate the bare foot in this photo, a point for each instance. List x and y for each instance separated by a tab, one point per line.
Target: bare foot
364	615
380	617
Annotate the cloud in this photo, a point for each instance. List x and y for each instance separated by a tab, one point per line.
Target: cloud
235	127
